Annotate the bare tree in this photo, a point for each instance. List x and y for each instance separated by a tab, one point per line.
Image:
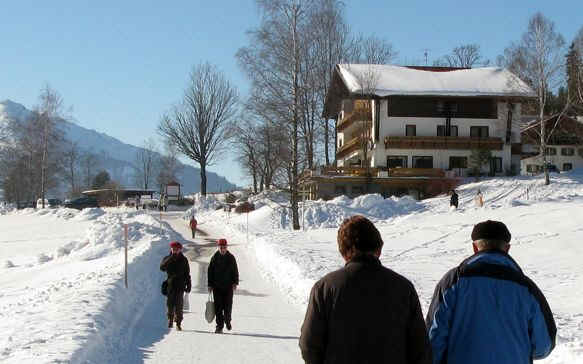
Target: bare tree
464	56
371	50
331	37
199	125
538	60
46	119
146	163
578	76
89	163
247	148
170	166
71	165
273	61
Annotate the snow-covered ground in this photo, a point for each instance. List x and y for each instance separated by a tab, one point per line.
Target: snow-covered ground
63	299
425	239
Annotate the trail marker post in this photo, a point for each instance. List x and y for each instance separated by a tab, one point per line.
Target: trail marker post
125	234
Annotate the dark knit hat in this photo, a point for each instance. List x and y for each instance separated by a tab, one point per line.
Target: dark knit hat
175	244
222	242
494	230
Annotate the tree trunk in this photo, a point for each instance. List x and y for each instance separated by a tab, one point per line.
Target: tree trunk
203	179
543	143
326	142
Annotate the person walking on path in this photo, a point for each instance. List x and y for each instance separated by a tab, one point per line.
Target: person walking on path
363	312
137	202
165	203
479	199
193	224
223	279
453	201
177	267
487	310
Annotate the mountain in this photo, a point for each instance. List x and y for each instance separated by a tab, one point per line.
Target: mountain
117	157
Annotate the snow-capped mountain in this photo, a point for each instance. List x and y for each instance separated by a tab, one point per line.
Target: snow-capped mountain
115	156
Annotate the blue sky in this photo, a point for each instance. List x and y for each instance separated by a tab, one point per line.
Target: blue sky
121	64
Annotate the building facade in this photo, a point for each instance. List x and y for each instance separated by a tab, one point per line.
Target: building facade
564	147
416	127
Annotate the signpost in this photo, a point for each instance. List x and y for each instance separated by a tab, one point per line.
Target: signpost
125	234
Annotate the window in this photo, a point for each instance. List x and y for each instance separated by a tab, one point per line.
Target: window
340	143
441	130
551	151
394	161
567	151
479	131
340	190
496	165
532	168
422	162
567	166
458	162
410	130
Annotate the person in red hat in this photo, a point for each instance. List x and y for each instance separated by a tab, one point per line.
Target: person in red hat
193	224
177	267
223	278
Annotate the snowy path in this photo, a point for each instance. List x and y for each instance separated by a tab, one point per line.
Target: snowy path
265	326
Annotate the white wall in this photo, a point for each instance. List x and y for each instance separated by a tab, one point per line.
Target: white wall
395	126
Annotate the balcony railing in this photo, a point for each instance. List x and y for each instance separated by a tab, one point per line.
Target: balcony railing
352	145
361	112
374	172
442	142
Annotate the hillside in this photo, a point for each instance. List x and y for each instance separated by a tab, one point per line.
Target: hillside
116	156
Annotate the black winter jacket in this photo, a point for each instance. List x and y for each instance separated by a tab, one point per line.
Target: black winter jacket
223	271
364	313
178	270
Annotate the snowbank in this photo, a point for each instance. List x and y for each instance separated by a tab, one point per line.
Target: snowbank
70	304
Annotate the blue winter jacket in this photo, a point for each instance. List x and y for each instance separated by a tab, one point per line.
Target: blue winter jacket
487	311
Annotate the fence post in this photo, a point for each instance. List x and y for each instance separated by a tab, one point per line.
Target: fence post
125	233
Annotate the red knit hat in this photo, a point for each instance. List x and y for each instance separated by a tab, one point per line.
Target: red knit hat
222	242
175	244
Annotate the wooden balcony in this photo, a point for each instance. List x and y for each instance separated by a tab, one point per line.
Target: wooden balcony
441	142
351	146
380	172
361	112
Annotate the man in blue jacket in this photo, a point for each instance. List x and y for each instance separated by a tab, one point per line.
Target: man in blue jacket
486	310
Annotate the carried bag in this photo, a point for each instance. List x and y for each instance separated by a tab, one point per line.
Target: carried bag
164	288
186	302
209	312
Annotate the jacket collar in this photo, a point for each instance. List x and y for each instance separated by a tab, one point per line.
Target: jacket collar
492	256
364	258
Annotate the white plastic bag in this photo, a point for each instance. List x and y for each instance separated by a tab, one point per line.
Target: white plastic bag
186	302
209	312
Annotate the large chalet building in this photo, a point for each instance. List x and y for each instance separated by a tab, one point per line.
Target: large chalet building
410	130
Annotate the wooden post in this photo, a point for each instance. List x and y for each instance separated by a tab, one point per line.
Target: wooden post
125	233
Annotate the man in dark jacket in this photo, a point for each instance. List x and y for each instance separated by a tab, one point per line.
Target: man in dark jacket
364	312
223	278
453	201
176	266
486	310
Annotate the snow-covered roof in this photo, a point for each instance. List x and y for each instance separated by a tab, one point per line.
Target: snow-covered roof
386	80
